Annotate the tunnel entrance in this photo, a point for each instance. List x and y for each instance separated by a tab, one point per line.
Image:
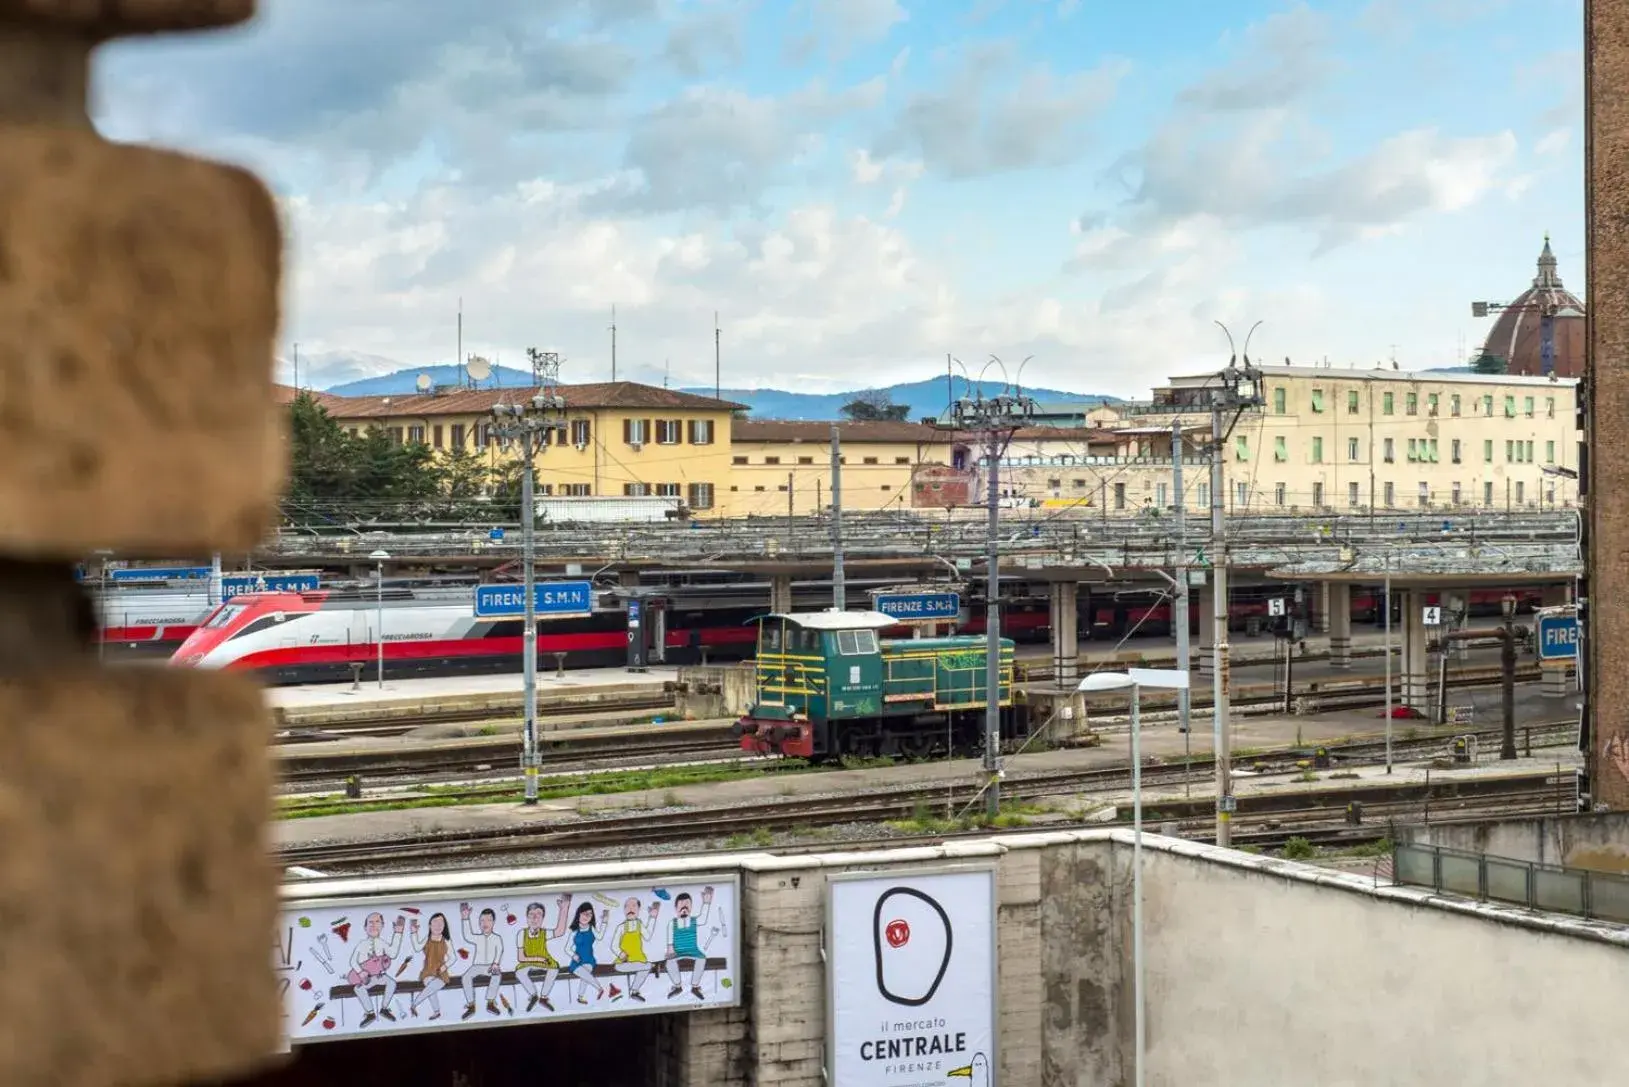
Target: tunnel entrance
601	1052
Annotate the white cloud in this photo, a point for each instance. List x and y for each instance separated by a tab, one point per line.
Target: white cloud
1553	142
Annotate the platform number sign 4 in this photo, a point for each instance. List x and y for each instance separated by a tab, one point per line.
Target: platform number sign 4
1432	616
1275	606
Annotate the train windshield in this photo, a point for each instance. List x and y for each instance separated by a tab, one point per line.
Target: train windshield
223	615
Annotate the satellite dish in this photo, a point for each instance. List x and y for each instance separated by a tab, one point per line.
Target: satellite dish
423	383
479	369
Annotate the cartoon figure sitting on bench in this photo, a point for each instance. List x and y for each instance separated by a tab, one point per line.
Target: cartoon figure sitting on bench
532	955
682	942
370	966
485	961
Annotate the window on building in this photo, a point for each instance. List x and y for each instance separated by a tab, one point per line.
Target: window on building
457	435
1453	450
1487	451
1318	495
1453	404
1431	450
1317	450
1510	407
868	460
1281	452
1390	495
668	490
547	489
1201	495
1054	484
415	434
1487	493
1431	404
1413	449
701	432
668	431
738	460
1317	401
1549	452
1521	492
1241	447
1454	493
635	431
1549	407
1411	404
638	490
1241	495
902	460
1527	455
1510	452
1278	494
1280	400
1119	496
1351	402
1162	495
1527	406
759	487
1487	405
1425	494
435	435
1388	403
772	460
576	490
483	435
1352	450
1078	484
1388	451
1352	495
701	496
581	432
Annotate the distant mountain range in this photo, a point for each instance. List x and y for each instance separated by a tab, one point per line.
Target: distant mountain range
341	373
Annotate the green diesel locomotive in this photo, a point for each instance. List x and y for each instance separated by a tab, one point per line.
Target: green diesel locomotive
827	686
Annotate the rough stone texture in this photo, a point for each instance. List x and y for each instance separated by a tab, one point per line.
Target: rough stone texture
1606	54
139	289
136	894
1083	923
112	18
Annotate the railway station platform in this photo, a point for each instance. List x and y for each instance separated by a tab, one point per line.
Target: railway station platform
451	691
1007	958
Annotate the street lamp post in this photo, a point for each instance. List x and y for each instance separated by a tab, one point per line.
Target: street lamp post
528	424
379	558
1507	676
1136	679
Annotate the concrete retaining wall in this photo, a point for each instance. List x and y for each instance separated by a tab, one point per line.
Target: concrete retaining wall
1597	842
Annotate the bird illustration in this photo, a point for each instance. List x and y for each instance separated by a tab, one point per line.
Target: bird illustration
977	1073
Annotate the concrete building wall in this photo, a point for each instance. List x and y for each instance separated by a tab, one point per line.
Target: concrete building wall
1599	842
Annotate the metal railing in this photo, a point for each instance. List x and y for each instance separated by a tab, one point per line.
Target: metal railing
1580	892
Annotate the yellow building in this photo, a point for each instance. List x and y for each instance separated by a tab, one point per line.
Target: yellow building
1354	440
619	438
773	461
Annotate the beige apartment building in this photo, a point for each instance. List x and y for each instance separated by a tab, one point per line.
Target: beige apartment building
1332	441
777	465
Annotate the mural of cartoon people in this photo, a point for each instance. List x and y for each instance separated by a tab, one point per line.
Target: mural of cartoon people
486	960
436	947
630	939
370	966
532	955
682	942
584	934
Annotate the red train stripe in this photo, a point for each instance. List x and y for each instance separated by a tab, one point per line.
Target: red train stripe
363	652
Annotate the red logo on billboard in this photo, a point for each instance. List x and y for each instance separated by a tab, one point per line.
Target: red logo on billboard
899	933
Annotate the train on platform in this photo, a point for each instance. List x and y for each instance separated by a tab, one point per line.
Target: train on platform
829	687
323	635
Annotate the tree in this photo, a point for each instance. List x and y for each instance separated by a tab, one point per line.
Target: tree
874	405
323	458
464	474
1489	363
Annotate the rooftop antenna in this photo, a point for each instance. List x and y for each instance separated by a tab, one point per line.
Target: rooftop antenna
545	370
423	383
296	366
667	370
459	357
718	388
613	342
479	370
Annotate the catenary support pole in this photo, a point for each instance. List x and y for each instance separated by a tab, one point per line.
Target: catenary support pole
1218	530
528	536
1137	880
992	633
1179	605
839	591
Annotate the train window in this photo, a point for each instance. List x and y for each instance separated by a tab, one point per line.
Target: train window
853	642
770	638
223	616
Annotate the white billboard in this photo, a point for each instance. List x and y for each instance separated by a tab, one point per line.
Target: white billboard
912	979
532	954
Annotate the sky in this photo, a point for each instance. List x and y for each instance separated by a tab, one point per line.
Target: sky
860	187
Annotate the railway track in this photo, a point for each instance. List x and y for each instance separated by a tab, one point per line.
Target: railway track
691	824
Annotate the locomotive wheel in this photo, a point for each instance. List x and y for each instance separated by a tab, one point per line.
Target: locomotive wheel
915	745
859	746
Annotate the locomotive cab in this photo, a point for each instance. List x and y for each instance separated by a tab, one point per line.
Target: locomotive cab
812	666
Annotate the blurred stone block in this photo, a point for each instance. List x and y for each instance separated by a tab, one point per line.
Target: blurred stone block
112	18
139	294
137	897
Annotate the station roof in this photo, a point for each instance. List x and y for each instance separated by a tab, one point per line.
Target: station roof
1489	579
628	395
890	431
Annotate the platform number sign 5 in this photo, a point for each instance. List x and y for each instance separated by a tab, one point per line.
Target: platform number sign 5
1432	616
1275	606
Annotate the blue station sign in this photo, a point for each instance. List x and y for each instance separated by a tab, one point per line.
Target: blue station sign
239	584
552	600
1557	637
158	573
920	607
